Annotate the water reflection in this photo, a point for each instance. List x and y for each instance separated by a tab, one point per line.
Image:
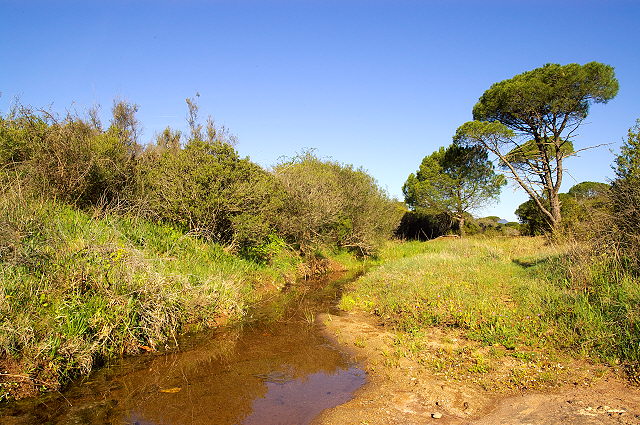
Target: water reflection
298	401
278	373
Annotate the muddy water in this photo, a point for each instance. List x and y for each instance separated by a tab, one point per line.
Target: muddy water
279	369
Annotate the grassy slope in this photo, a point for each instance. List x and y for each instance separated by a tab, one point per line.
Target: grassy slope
75	290
508	297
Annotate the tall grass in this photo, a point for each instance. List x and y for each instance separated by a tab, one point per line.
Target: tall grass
76	289
604	317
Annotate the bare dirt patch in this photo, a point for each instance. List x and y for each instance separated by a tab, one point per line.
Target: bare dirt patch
405	390
14	381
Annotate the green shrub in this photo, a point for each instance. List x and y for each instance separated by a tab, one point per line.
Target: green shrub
623	236
329	203
208	190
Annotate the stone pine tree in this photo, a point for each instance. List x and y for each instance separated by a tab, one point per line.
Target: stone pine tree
529	122
455	180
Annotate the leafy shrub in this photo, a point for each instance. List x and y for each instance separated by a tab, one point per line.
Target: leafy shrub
333	203
622	236
207	189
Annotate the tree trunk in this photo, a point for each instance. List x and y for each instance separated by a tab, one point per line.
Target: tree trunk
461	226
556	216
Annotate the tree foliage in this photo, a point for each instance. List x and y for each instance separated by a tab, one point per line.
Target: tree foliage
589	191
529	122
455	181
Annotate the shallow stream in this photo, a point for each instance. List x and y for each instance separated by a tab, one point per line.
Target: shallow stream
277	369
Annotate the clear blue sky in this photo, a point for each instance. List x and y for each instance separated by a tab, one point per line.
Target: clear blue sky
378	84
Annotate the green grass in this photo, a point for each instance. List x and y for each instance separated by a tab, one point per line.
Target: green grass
467	284
509	293
76	290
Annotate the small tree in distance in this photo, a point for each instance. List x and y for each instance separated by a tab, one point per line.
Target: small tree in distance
455	181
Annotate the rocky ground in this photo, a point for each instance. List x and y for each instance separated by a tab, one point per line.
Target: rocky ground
403	391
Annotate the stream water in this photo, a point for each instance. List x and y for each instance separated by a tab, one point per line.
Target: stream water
278	369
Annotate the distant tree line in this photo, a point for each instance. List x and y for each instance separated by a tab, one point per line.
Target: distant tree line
196	181
421	225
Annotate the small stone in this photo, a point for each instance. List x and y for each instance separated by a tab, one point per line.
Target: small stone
436	415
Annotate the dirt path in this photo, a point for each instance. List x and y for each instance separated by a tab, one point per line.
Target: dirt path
401	391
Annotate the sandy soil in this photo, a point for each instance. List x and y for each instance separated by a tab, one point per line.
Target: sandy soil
401	391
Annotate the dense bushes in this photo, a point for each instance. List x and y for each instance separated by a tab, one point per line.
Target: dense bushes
329	203
196	182
207	189
71	159
625	202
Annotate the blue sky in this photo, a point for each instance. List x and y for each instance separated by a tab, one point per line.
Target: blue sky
378	84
